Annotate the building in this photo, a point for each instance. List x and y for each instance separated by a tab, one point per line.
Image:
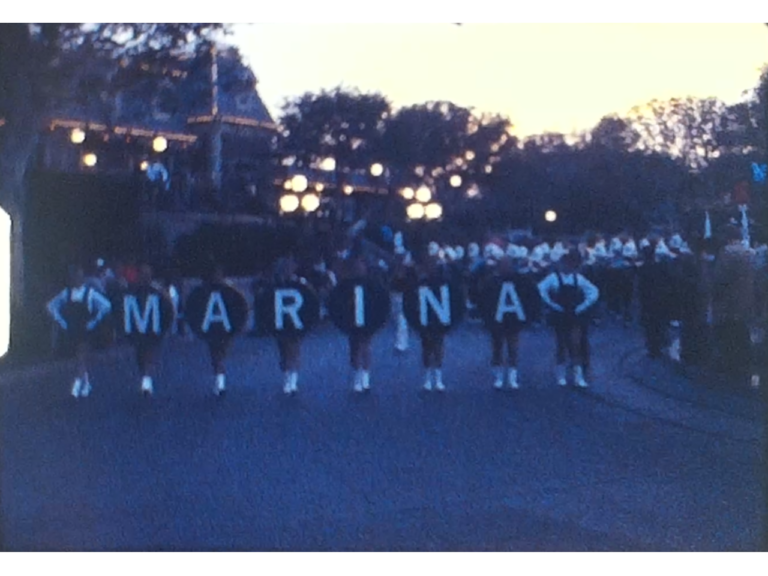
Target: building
203	134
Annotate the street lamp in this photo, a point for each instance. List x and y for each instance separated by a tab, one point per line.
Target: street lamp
550	216
90	159
377	170
159	144
328	164
348	189
455	180
299	183
433	211
415	211
289	203
407	193
310	202
77	136
423	194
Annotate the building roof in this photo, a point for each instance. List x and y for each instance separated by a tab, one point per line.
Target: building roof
185	98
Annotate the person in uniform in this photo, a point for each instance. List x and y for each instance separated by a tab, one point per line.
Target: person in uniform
217	321
147	346
504	315
569	296
289	342
654	289
432	271
734	305
79	309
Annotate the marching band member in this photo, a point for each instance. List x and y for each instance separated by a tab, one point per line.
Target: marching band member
289	343
78	309
432	341
219	339
569	295
147	348
504	316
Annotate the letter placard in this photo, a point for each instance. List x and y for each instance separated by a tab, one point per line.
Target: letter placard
216	311
359	306
145	313
434	306
501	304
288	308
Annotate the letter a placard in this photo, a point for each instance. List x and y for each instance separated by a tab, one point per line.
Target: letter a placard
434	307
216	311
359	307
500	304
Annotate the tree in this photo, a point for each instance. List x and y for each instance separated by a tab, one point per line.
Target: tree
614	133
40	65
687	129
342	124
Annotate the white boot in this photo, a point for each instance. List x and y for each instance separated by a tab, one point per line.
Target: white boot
221	384
366	380
76	387
439	386
86	389
578	377
560	375
498	374
512	378
146	386
428	380
358	380
288	381
401	336
294	382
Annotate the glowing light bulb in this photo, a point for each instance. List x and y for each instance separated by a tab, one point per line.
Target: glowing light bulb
433	211
77	136
289	203
415	211
550	216
423	194
159	144
310	202
299	183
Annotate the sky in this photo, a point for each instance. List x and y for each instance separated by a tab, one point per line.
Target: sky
544	77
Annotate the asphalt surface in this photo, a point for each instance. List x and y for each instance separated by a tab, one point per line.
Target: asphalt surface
643	460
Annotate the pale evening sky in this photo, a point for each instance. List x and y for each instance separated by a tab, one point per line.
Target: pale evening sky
545	77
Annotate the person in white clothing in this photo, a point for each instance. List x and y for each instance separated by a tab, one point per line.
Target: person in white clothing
569	295
78	309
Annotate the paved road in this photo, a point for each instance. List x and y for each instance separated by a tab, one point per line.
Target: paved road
641	461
